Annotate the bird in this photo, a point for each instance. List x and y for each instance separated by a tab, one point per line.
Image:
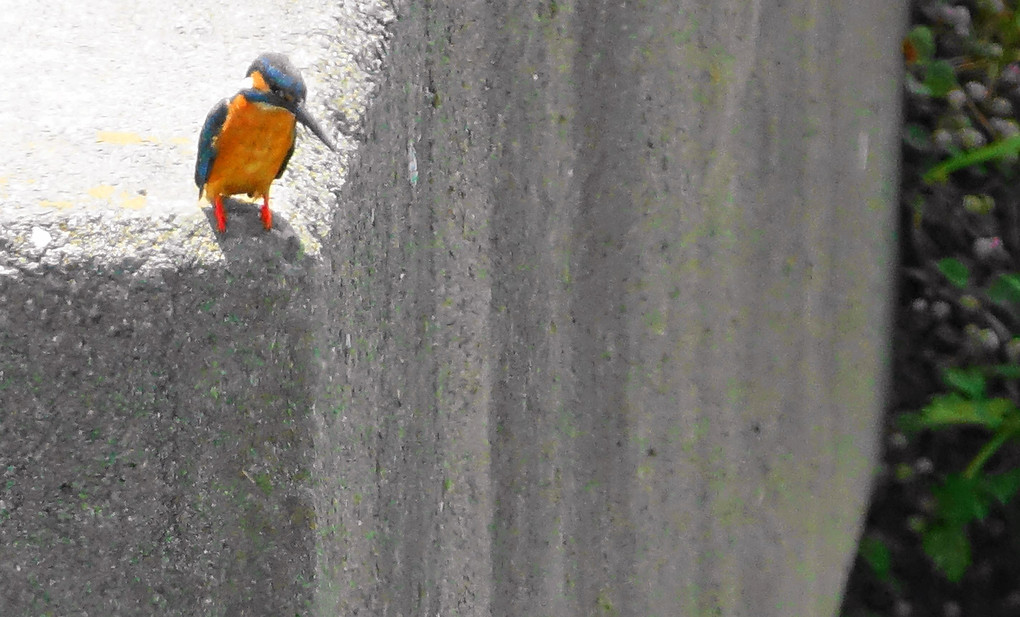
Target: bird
248	139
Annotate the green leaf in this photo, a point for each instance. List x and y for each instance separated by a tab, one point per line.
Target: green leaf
969	381
1002	486
1005	288
948	548
1008	429
1008	371
961	500
911	421
923	41
876	554
940	78
953	409
994	151
955	271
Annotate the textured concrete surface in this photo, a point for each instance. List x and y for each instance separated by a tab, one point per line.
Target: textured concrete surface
620	349
595	326
157	380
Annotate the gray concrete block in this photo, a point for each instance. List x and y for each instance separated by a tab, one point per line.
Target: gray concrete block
621	346
612	345
156	446
157	380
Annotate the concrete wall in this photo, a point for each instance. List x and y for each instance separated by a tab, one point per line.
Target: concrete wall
621	348
618	350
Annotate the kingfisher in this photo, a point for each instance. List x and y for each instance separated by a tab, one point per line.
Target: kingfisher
248	139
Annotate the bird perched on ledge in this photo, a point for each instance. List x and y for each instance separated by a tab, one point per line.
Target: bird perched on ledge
248	139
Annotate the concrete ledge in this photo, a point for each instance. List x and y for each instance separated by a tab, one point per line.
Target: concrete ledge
105	101
157	379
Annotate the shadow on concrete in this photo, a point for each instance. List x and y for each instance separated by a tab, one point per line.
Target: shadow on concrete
245	232
154	432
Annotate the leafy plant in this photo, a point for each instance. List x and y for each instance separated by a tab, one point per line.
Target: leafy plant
963	498
938	77
962	71
877	555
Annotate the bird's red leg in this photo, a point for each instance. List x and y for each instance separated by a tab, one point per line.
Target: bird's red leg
221	216
267	215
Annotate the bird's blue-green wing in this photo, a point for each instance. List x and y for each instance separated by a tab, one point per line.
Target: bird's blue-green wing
286	159
207	143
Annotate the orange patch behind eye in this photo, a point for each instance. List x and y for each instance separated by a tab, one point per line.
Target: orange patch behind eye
258	81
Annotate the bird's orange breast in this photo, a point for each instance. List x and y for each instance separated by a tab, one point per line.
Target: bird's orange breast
250	148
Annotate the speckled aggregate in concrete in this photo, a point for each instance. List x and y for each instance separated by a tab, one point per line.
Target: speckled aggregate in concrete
594	324
156	378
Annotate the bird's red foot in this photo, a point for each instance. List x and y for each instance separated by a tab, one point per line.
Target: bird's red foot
267	215
221	215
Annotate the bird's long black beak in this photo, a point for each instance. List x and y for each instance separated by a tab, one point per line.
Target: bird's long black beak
306	119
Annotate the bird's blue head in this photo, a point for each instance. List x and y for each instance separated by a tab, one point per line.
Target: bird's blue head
279	83
272	72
